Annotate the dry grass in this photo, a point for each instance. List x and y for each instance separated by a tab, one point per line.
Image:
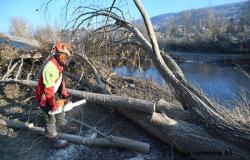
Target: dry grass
12	91
7	52
241	112
238	114
143	89
3	102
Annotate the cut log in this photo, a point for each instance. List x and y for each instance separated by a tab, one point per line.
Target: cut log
119	102
189	139
181	134
173	111
113	141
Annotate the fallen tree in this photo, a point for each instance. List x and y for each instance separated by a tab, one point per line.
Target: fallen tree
202	127
177	131
111	141
203	145
203	110
119	102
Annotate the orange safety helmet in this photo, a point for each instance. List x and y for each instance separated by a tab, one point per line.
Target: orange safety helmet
62	53
61	47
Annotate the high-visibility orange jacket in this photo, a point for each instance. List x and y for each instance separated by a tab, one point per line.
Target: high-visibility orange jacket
49	83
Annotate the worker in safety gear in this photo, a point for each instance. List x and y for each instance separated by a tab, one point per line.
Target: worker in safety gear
51	89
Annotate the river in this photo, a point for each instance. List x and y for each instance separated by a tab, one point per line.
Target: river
17	44
215	74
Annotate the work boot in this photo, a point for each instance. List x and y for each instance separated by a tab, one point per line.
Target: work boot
50	131
60	144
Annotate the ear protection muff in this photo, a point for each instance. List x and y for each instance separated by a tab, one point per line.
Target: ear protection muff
62	57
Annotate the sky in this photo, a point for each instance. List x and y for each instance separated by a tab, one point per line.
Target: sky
33	10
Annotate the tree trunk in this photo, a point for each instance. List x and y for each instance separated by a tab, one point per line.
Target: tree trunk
117	142
189	139
118	102
202	109
174	128
192	139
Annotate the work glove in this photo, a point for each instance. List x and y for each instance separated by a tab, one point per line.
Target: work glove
65	95
55	107
64	91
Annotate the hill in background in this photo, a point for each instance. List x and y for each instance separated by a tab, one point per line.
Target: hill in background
227	11
223	28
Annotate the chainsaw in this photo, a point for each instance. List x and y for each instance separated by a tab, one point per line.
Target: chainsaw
66	107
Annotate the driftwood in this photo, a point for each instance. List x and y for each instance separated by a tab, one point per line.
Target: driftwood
112	141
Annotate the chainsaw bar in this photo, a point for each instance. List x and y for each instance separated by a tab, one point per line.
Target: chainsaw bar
70	105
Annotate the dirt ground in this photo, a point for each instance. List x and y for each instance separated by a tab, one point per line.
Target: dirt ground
19	144
17	103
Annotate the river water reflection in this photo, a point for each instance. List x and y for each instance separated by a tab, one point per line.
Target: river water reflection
220	80
17	44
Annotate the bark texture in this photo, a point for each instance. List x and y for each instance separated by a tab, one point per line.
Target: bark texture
117	142
119	102
202	109
174	126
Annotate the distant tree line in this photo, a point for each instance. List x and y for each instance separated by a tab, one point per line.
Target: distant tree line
20	27
210	33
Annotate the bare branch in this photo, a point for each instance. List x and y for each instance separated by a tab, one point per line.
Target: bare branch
97	75
28	75
10	70
19	70
104	29
9	64
88	126
119	142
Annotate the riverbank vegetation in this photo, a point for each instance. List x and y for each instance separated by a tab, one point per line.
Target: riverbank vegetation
204	30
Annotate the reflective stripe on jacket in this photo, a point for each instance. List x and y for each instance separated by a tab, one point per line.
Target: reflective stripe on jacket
49	83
